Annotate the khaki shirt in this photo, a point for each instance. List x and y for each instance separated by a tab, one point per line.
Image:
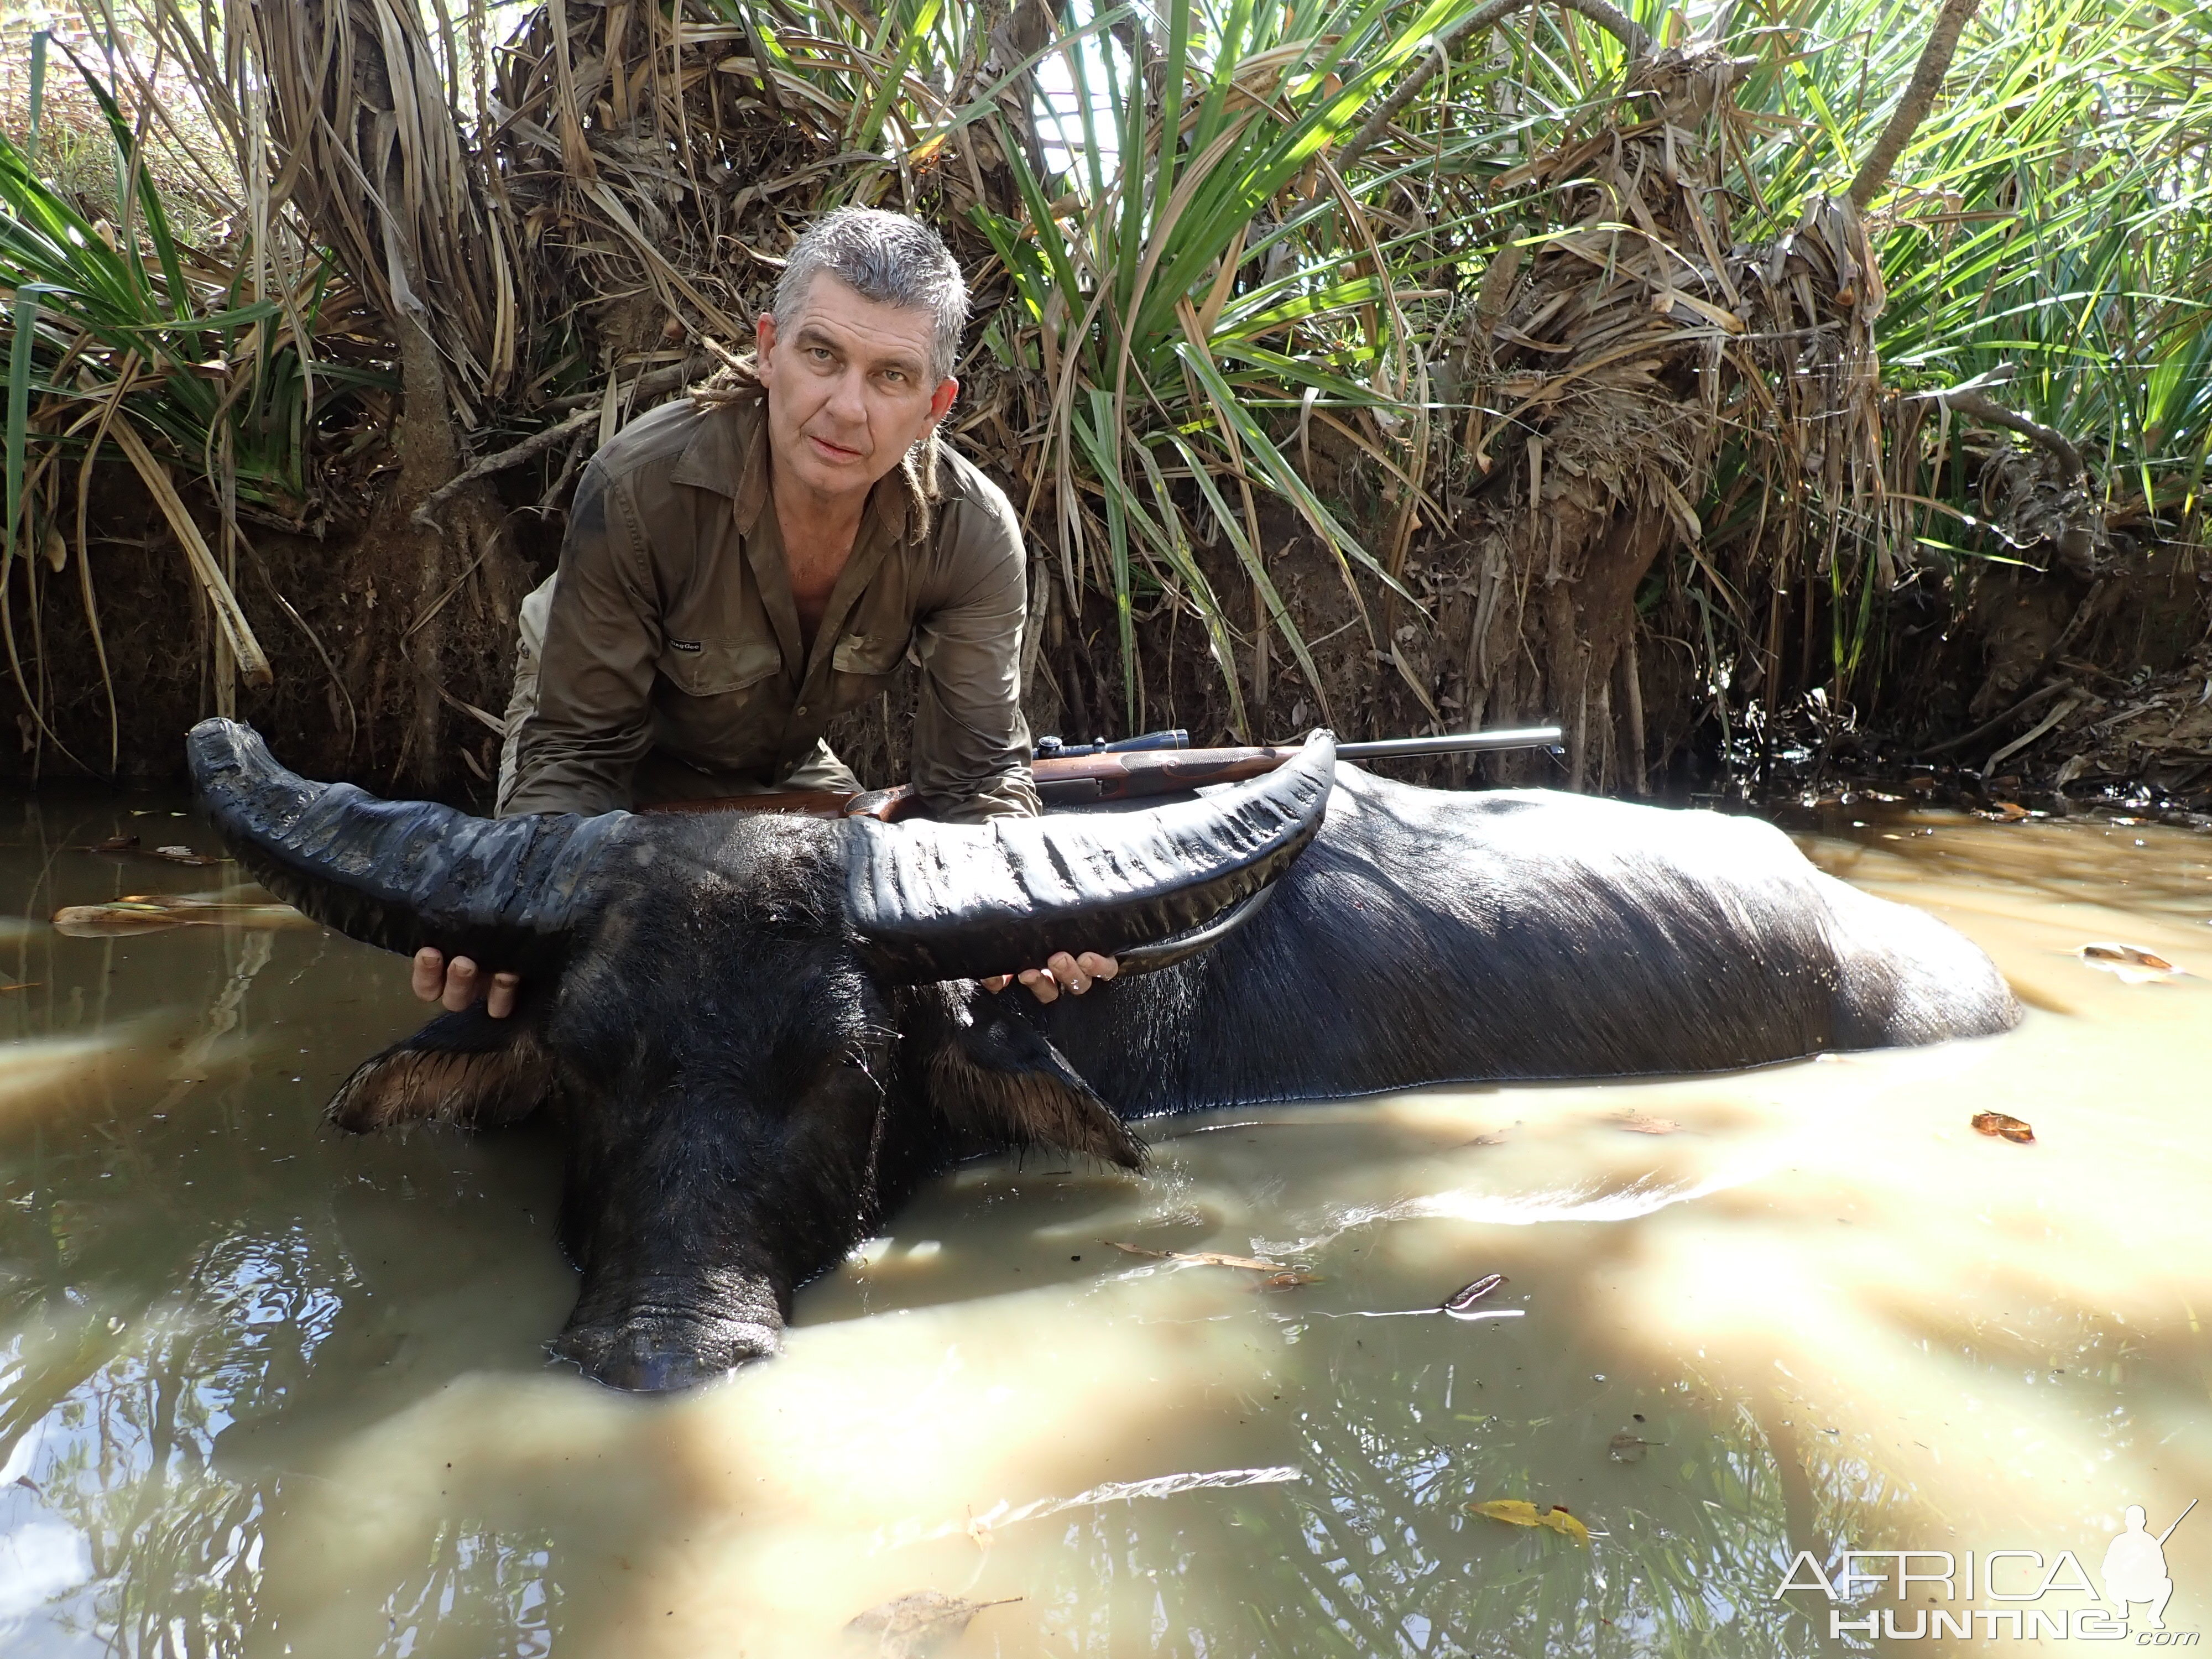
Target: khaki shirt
671	630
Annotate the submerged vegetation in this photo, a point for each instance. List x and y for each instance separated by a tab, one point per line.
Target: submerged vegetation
1399	363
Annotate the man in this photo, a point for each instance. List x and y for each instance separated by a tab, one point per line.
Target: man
2135	1568
744	565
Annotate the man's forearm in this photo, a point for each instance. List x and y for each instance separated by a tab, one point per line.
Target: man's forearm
1010	794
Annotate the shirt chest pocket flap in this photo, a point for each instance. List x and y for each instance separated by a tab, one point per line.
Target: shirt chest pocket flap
713	668
871	655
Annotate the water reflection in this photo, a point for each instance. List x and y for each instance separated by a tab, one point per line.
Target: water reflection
265	1390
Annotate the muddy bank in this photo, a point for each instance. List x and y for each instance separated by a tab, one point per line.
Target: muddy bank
2003	683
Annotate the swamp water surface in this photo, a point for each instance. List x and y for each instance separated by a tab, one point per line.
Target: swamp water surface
267	1390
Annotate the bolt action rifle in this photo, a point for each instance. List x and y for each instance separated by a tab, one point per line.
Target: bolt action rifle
1081	774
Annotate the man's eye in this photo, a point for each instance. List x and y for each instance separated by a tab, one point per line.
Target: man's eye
820	354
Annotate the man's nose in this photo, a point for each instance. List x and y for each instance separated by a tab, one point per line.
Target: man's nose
847	401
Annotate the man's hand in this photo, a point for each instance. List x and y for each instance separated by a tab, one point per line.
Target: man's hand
1076	974
458	986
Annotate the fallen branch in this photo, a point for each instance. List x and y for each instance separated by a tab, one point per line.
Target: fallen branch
646	385
1990	727
534	445
1975	406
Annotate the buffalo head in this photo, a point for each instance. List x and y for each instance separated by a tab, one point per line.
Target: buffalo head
758	1032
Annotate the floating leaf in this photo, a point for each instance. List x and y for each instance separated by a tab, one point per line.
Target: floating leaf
915	1625
1638	1123
184	855
1462	1300
1286	1281
2131	964
148	912
1566	1525
1520	1512
118	846
2002	1124
1202	1257
1495	1138
2004	812
1627	1448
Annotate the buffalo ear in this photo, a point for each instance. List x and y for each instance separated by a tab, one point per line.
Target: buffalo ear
997	1076
465	1068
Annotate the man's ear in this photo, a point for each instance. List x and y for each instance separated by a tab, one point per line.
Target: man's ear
941	401
465	1068
995	1076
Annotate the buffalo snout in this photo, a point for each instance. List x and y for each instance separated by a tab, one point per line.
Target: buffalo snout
645	1356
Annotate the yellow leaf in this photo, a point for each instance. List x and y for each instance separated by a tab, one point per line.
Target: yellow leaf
1566	1526
1520	1512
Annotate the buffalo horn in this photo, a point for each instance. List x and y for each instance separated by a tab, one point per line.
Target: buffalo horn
399	874
943	900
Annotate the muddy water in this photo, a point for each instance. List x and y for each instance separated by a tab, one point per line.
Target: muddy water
267	1391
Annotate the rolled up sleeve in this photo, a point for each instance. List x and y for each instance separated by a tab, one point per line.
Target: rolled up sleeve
578	751
971	744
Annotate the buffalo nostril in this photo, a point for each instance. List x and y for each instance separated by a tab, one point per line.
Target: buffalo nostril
648	1360
659	1371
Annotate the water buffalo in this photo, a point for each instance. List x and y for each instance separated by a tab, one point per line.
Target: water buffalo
760	1033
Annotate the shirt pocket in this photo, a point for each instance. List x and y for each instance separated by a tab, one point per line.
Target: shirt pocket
862	665
870	655
714	668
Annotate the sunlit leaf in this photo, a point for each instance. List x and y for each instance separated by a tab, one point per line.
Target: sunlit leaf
914	1625
1202	1257
150	913
2131	963
1520	1512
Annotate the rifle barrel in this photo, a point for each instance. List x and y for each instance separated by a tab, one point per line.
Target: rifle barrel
1460	743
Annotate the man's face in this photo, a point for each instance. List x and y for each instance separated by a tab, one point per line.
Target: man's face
849	388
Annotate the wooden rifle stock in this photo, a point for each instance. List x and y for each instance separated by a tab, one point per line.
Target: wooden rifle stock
1114	774
1061	780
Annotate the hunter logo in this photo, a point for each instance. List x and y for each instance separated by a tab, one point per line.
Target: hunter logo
2133	1572
684	645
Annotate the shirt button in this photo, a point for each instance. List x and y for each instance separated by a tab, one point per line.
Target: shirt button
802	709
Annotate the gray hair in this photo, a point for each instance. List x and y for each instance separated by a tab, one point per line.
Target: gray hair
887	258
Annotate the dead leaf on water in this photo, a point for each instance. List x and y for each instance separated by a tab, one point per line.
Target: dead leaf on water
914	1626
2004	812
1638	1123
2004	1126
1520	1512
1202	1257
1494	1138
1458	1303
128	846
1626	1448
2131	963
147	912
1286	1281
